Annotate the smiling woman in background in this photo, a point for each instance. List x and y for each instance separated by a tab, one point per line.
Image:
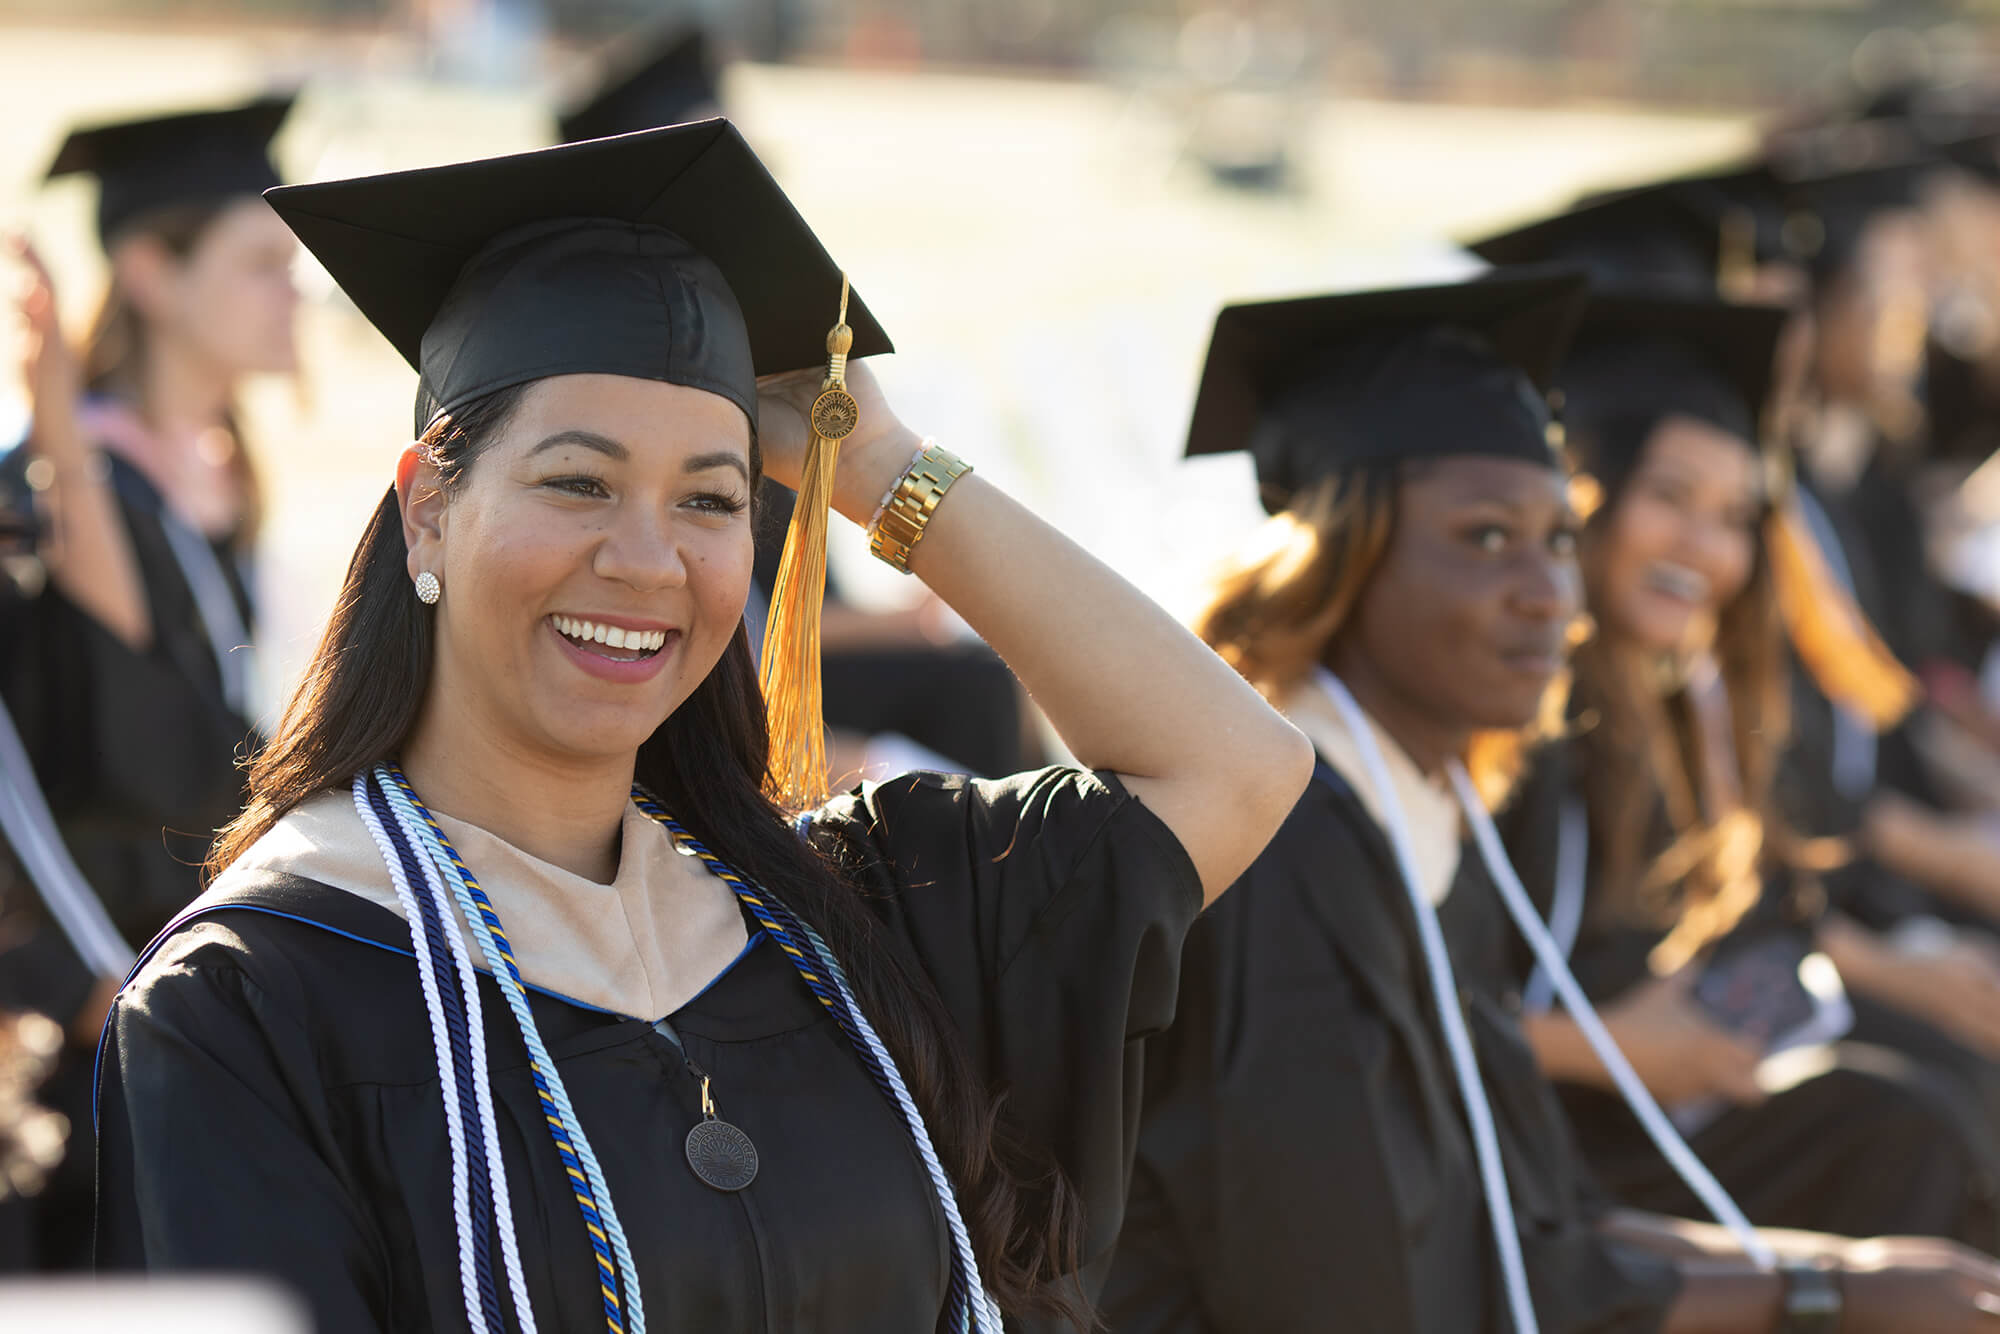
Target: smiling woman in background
1692	909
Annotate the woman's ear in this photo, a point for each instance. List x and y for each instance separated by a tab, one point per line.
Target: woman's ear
420	497
144	270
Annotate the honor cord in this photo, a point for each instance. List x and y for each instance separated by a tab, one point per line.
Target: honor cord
474	1259
1689	1167
1444	990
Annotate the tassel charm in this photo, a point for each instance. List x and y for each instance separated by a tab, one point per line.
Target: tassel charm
790	670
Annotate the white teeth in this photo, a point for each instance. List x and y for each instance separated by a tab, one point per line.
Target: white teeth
611	636
1678	580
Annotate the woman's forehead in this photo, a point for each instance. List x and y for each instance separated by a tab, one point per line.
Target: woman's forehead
1457	479
648	417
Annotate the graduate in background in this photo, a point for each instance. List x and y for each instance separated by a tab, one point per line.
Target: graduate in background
134	678
1690	909
755	1083
1736	235
1311	1153
129	675
667	75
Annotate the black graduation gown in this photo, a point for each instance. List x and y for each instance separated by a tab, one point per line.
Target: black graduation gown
1304	1162
137	754
1877	1143
269	1096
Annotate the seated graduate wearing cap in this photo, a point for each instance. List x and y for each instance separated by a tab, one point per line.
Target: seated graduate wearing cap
1306	1160
1344	1127
1850	722
715	1068
129	675
1653	834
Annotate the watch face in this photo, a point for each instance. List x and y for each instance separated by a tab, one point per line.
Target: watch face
1813	1300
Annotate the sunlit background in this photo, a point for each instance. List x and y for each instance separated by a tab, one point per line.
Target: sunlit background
1044	200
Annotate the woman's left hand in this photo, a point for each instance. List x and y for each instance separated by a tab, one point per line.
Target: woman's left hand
871	458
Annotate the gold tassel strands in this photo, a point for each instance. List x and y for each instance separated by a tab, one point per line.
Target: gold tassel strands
790	672
1846	658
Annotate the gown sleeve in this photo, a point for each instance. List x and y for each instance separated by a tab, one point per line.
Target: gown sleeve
1049	909
209	1075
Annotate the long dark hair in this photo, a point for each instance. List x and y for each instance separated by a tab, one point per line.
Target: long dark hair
1658	857
707	763
114	357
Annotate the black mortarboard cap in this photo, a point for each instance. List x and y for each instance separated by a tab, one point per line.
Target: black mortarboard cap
667	255
188	157
1684	231
1961	406
1641	356
1316	385
1831	211
674	78
1977	151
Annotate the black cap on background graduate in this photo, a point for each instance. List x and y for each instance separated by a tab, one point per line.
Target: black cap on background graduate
1643	354
666	77
670	255
1832	208
1976	150
1316	385
666	255
1698	233
1961	405
175	160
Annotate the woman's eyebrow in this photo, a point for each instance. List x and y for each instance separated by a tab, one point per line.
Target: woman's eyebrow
603	444
721	458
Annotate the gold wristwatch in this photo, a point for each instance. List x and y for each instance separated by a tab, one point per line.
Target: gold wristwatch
913	502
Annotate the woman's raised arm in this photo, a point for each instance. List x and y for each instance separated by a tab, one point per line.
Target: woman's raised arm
1126	687
92	563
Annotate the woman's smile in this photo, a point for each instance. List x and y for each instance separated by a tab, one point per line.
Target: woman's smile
610	649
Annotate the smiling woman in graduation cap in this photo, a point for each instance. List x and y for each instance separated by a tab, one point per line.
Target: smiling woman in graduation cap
1342	1129
719	1070
1693	909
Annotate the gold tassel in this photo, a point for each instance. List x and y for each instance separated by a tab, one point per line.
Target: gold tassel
1736	255
1847	659
796	778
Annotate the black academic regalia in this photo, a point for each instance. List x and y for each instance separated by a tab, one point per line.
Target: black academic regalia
1877	1143
1304	1161
270	1098
26	938
136	752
